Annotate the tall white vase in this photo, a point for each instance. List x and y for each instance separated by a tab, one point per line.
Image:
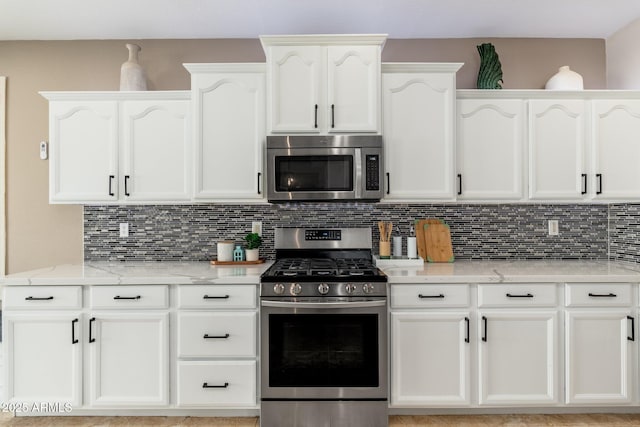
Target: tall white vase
565	79
131	73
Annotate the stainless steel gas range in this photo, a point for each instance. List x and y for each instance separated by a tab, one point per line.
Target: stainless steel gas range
324	331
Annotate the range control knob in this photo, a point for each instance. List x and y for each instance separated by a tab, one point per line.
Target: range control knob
323	288
350	288
295	288
368	288
278	288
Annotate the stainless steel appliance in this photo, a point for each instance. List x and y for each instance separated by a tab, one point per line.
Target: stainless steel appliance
327	167
323	308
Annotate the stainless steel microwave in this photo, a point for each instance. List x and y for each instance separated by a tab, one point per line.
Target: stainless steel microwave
324	168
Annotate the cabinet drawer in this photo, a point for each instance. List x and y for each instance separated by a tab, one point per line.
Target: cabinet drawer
214	296
598	294
129	297
440	295
217	383
518	295
42	297
217	334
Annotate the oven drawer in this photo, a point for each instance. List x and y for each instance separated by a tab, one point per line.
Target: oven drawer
598	294
217	296
224	383
518	295
42	297
217	334
440	295
129	297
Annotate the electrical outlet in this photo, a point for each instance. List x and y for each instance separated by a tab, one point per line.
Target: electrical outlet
124	229
553	227
256	227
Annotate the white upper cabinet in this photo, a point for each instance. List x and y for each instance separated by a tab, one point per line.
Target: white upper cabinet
616	145
323	84
228	105
490	143
557	149
119	146
419	119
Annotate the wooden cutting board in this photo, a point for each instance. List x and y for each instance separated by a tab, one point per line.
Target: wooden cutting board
419	227
437	240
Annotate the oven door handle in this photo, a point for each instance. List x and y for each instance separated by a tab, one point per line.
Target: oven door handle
327	305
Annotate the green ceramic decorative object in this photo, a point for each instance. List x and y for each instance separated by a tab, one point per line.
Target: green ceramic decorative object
490	73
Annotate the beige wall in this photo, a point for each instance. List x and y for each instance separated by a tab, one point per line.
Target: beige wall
623	58
40	235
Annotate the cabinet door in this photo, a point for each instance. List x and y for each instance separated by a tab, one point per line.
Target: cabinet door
129	359
598	355
429	359
84	151
353	88
489	148
43	358
155	150
518	358
418	135
616	136
295	86
557	149
229	109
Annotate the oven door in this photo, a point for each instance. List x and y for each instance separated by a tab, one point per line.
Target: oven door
318	350
314	174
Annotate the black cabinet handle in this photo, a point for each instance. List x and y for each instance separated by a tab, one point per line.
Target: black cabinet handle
91	338
609	295
126	185
520	296
584	183
466	321
259	176
74	340
206	385
633	329
315	122
599	178
111	177
38	298
430	296
333	116
388	183
207	336
459	184
215	297
484	326
117	297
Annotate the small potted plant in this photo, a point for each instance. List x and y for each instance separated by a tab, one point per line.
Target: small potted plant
253	243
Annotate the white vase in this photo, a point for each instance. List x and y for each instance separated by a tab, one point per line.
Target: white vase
131	73
565	79
252	254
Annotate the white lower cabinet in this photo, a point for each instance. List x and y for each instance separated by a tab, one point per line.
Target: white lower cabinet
217	383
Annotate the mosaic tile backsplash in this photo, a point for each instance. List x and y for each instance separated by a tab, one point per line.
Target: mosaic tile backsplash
624	232
509	231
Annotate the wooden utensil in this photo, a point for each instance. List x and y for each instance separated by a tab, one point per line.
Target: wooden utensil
437	238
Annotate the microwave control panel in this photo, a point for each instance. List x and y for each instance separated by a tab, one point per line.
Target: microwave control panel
372	174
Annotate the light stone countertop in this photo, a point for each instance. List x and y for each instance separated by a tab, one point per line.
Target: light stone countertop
138	273
462	271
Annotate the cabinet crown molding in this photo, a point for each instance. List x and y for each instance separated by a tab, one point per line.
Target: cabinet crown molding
421	67
165	95
546	94
231	67
324	39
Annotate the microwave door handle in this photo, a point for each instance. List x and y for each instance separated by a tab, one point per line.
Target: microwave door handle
357	182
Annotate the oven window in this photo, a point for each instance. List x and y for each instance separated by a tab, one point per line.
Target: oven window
312	350
314	173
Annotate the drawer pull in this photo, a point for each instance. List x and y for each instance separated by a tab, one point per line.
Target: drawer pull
430	296
206	385
215	297
119	297
207	336
609	295
520	295
38	298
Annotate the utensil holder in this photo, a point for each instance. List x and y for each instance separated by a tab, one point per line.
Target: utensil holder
385	249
